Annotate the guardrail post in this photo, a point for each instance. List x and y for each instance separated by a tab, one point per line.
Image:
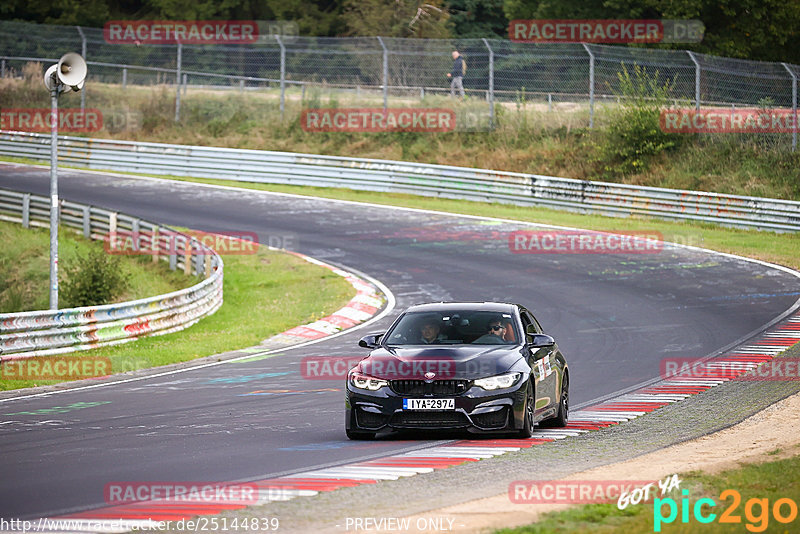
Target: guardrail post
154	244
385	74
178	84
83	54
135	232
491	83
794	105
696	80
187	257
87	222
26	210
283	75
198	262
591	84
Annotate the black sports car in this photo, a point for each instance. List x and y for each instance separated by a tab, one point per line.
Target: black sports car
486	367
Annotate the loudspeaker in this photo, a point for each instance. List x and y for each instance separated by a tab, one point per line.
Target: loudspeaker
72	70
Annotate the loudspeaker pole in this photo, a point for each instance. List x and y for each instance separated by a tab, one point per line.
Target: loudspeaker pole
67	75
54	194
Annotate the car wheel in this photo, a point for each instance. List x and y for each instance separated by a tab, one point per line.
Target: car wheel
562	417
352	434
530	406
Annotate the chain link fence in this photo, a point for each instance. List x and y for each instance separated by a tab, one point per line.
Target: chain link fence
565	78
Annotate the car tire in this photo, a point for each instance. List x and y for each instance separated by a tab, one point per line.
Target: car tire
530	407
562	417
354	435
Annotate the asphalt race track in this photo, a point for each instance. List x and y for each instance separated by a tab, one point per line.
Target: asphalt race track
615	317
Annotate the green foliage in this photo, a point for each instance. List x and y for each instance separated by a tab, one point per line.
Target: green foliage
427	19
95	279
634	133
765	30
474	19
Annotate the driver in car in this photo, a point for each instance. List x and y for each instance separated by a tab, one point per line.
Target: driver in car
495	334
429	333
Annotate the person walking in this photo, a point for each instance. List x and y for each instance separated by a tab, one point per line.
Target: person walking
457	75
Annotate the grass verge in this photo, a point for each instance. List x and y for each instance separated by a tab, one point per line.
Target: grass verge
25	260
265	294
765	483
527	137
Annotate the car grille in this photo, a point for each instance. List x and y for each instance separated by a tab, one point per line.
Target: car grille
437	387
496	419
429	419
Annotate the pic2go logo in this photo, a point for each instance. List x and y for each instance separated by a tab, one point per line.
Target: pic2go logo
756	511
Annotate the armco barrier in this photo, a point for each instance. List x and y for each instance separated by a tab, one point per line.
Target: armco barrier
404	177
40	333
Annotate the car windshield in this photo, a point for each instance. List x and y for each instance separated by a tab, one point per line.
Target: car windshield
454	328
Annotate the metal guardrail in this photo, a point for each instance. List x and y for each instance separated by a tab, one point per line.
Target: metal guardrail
415	178
46	332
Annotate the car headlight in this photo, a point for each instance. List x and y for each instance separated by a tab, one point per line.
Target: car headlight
498	382
367	382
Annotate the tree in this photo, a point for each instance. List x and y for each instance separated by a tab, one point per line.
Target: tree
397	18
478	18
764	30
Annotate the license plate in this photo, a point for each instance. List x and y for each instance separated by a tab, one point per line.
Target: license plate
429	404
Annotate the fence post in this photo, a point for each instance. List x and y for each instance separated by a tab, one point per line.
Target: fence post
124	78
178	83
591	84
26	210
696	80
385	74
491	83
3	68
794	105
283	75
185	83
83	54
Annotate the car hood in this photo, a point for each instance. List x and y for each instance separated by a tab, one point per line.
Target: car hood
462	362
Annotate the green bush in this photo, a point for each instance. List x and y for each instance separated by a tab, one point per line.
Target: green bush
634	135
95	279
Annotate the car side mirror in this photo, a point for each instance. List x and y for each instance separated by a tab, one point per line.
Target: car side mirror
541	340
370	341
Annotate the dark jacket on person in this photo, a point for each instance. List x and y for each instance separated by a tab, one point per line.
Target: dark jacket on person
458	67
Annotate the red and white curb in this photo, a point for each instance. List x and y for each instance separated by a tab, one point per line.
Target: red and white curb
611	412
367	302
